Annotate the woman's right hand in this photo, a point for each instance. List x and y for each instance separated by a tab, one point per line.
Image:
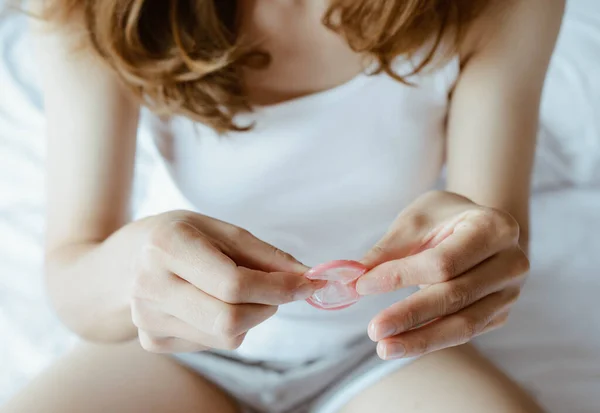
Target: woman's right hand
201	283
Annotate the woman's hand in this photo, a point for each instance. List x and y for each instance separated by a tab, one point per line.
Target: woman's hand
201	283
467	260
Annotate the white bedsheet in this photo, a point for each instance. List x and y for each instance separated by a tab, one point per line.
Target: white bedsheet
552	343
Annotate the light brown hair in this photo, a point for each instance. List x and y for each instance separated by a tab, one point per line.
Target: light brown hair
183	56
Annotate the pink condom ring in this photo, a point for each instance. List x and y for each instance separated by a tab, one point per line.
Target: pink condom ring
340	290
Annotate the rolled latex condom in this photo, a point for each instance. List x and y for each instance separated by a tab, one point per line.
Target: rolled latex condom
340	290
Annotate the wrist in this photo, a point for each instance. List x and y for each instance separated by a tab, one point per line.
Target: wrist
89	285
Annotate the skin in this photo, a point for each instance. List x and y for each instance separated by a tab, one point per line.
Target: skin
110	280
476	273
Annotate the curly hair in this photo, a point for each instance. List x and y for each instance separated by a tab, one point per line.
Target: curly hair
183	56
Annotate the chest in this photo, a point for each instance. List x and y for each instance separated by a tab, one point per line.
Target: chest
329	157
316	169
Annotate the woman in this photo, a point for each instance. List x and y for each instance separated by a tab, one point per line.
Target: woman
311	127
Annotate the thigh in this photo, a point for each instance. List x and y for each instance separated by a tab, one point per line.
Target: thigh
119	378
456	380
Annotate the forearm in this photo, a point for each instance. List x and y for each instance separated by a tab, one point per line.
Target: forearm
89	284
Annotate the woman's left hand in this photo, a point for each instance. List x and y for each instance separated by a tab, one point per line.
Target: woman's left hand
467	260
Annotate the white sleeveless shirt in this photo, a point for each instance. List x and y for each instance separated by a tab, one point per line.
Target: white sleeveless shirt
321	177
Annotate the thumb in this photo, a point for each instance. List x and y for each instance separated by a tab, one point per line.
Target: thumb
398	242
415	227
410	238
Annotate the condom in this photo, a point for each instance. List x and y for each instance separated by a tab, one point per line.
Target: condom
340	290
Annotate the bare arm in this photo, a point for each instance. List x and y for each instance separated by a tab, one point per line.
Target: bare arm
180	281
495	106
91	132
470	239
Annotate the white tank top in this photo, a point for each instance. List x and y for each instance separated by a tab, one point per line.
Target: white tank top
321	177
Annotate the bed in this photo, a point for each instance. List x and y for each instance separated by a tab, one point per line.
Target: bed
551	344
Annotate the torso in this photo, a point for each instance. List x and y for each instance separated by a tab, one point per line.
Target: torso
334	156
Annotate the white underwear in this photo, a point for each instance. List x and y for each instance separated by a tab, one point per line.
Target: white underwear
320	386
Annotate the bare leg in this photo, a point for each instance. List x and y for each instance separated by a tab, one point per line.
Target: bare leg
456	380
120	378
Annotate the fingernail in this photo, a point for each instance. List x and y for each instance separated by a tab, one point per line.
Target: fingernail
379	331
367	286
298	267
390	351
318	284
305	291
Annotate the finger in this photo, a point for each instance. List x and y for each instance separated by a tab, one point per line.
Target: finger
242	247
481	234
198	261
418	227
162	345
180	248
499	321
453	330
182	331
201	310
251	286
448	298
155	323
250	252
216	317
400	241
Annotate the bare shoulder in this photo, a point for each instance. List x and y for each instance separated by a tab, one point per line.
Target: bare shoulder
514	24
